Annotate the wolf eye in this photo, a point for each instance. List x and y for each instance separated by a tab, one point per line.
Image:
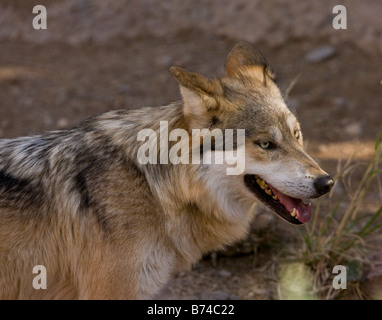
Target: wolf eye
297	134
265	144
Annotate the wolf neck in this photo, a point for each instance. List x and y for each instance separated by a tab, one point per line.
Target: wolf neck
178	185
135	121
188	192
169	182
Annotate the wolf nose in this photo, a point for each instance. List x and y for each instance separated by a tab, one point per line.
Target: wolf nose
323	184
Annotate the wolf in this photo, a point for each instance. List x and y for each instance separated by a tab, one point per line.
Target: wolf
106	226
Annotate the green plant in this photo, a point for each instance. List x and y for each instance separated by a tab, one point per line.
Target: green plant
332	239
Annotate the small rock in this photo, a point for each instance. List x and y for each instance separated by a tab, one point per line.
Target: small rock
224	273
353	129
62	123
340	101
320	54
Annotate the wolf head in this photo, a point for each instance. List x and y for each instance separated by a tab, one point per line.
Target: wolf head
278	171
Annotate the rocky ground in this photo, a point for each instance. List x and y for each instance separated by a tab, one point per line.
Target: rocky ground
102	55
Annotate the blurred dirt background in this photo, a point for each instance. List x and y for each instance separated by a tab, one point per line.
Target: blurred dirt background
99	55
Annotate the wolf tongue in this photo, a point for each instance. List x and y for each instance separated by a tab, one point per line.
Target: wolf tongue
302	210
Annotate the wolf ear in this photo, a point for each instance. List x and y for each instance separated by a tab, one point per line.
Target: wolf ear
198	92
246	60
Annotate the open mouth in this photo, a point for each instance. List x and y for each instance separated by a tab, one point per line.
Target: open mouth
291	209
